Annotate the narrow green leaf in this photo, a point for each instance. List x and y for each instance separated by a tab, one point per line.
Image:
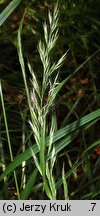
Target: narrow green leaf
95	144
8	10
69	138
36	161
65	185
77	124
74	167
77	163
26	192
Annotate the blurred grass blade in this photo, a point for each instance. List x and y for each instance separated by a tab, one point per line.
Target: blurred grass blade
8	138
69	138
65	186
26	192
95	144
77	124
78	163
22	64
74	167
18	160
8	10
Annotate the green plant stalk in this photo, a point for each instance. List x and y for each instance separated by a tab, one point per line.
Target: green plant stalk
21	60
71	164
65	186
23	149
44	51
43	156
42	123
42	152
3	165
8	138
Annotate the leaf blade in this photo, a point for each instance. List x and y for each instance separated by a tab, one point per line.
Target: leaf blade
8	10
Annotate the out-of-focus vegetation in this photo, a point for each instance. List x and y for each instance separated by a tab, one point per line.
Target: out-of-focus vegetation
75	116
